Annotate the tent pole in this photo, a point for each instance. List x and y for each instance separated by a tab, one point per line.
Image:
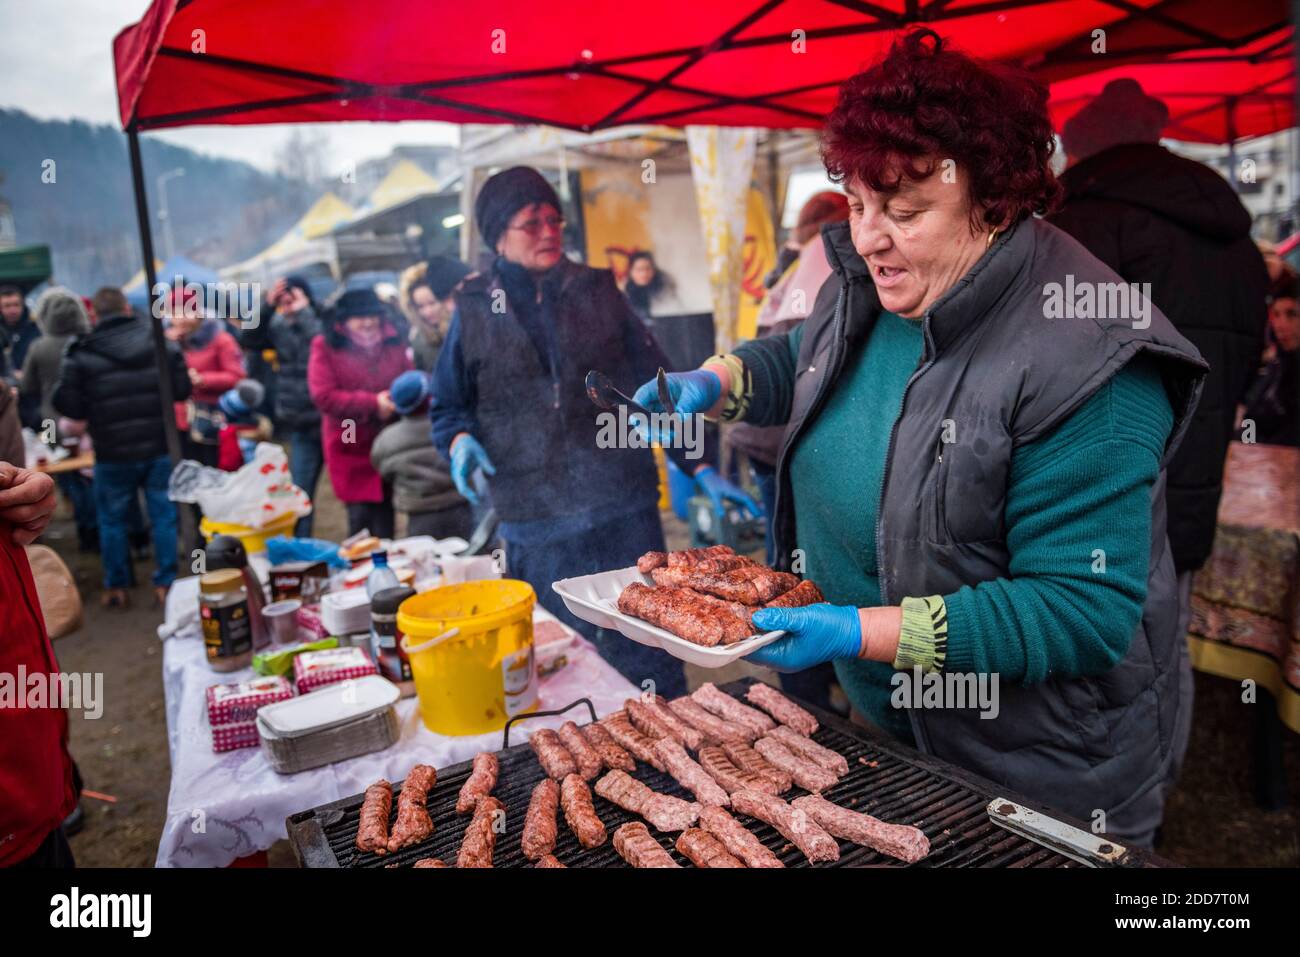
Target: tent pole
155	321
1230	107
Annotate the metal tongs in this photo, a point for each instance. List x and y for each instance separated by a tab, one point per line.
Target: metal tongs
607	396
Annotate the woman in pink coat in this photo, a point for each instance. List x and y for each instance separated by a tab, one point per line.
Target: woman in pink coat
348	375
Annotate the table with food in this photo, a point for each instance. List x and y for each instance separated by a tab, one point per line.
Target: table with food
286	683
380	712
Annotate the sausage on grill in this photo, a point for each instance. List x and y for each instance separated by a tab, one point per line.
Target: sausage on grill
540	829
665	812
902	841
552	755
482	779
781	707
611	755
714	729
732	777
797	826
372	829
480	836
635	845
832	761
639	745
684	733
704	850
413	824
737	839
729	709
689	774
580	813
809	776
747	759
584	755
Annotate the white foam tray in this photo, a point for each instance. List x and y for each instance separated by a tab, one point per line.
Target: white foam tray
594	598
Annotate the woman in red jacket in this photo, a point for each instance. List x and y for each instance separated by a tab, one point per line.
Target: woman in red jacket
216	364
348	375
36	776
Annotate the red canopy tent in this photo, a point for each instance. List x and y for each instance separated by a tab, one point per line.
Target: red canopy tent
679	62
768	63
1214	96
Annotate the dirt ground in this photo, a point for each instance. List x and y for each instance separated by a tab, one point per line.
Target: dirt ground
1211	820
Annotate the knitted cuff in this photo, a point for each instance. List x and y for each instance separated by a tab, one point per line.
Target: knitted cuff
741	386
923	637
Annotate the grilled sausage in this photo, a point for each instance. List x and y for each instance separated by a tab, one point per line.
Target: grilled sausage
413	824
372	829
479	784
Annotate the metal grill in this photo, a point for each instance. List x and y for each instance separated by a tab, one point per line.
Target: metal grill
900	787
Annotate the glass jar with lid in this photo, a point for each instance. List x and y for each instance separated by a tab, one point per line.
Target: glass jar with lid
224	614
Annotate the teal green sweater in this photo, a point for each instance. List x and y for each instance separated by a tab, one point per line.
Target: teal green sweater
1084	487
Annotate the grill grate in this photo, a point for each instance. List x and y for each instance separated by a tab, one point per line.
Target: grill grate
898	787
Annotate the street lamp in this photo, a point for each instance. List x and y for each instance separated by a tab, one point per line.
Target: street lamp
163	214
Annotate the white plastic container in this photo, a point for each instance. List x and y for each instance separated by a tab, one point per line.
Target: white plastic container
594	598
345	612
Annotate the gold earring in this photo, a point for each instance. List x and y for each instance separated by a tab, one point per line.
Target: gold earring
993	234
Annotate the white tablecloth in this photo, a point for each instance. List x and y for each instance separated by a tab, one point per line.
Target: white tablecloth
224	806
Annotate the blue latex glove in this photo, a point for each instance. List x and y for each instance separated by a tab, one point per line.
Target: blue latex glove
466	456
696	391
722	491
816	633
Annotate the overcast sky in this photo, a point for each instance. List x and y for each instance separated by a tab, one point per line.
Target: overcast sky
57	64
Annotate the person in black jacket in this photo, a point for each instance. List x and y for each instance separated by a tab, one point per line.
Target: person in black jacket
109	381
509	399
1157	218
290	330
1271	415
17	332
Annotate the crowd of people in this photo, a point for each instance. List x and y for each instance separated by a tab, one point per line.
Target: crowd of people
945	462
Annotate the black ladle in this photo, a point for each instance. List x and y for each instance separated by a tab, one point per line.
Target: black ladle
607	396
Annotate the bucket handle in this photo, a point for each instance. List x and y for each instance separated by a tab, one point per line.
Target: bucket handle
505	739
425	646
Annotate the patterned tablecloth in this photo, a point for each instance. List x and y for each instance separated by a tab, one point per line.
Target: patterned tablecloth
225	806
1246	600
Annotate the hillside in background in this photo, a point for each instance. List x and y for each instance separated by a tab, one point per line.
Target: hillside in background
222	210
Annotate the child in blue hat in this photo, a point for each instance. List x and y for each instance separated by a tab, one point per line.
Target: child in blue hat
404	456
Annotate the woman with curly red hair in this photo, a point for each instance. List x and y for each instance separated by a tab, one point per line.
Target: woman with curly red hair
977	421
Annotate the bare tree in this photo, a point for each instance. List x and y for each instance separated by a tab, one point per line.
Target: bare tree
303	156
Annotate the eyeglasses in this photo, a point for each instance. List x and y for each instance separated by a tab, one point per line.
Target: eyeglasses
534	227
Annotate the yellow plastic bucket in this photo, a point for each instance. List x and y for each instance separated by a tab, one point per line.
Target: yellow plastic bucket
471	652
253	539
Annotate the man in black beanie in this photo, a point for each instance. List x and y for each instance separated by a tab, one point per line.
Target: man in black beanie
509	399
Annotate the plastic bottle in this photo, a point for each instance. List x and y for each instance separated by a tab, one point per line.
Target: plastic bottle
381	576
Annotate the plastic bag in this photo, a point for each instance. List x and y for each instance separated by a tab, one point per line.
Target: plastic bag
257	494
281	549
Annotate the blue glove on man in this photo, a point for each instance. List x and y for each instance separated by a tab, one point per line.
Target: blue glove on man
814	634
722	491
466	456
